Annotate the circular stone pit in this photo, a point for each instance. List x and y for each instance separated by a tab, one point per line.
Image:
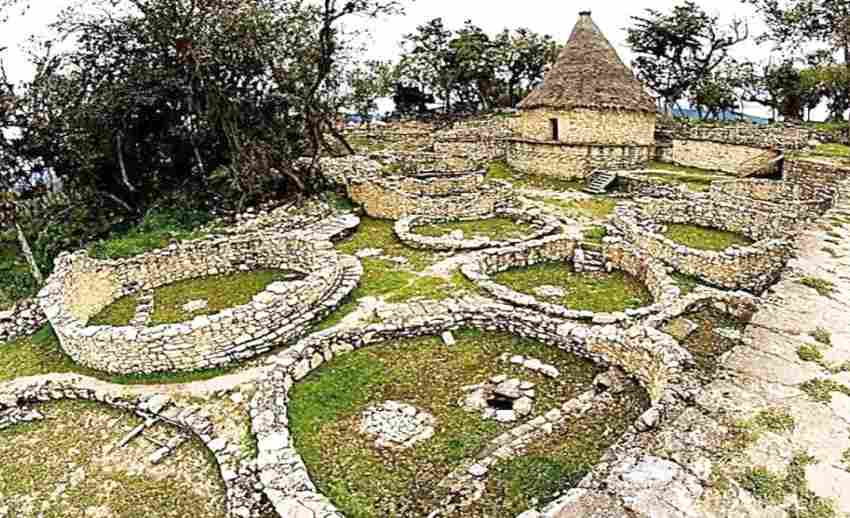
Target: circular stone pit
541	224
617	255
501	398
81	287
396	425
754	267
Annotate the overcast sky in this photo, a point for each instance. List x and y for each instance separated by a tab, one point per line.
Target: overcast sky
546	16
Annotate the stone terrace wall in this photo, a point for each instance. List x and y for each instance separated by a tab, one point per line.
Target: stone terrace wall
817	178
789	197
541	224
718	156
753	267
394	195
773	136
81	287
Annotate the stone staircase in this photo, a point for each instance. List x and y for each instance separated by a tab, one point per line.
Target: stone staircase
599	182
588	258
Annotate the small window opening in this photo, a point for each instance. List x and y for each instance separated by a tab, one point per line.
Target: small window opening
556	133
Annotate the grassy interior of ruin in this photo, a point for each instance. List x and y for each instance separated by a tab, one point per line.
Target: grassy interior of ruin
220	291
584	291
397	274
492	228
500	170
692	178
703	238
65	465
41	354
365	482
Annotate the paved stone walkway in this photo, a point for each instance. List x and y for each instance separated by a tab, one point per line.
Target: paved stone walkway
674	473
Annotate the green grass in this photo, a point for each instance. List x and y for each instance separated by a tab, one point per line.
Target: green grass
597	292
686	283
686	170
118	314
833	150
220	291
597	208
155	231
824	287
595	234
41	354
364	482
821	389
375	233
776	420
773	488
703	238
809	353
763	484
493	228
501	171
43	460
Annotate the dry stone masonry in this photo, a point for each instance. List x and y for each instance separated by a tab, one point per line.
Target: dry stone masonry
81	287
563	248
753	267
541	224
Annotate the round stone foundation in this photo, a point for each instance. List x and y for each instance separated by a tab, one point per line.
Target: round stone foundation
540	223
616	255
82	286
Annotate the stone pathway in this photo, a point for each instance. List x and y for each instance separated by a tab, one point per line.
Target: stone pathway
674	474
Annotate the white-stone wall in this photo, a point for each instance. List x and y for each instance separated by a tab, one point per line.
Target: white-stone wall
719	156
574	161
81	287
585	126
752	268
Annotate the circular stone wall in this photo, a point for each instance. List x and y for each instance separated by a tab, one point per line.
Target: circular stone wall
753	267
438	194
541	224
81	287
617	255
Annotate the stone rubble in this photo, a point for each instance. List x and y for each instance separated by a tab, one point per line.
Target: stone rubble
396	425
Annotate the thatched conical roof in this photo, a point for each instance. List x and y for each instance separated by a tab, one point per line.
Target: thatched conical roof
589	74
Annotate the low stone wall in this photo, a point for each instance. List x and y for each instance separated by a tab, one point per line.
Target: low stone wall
240	479
720	156
81	287
817	178
792	198
577	161
752	268
653	358
22	319
618	256
541	224
638	184
785	136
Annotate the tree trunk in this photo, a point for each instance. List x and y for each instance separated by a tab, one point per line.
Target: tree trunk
27	251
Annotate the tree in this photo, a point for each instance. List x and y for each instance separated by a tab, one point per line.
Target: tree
716	95
797	22
522	57
367	83
218	98
677	50
427	62
779	87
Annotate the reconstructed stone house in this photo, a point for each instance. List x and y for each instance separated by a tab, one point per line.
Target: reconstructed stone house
589	113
